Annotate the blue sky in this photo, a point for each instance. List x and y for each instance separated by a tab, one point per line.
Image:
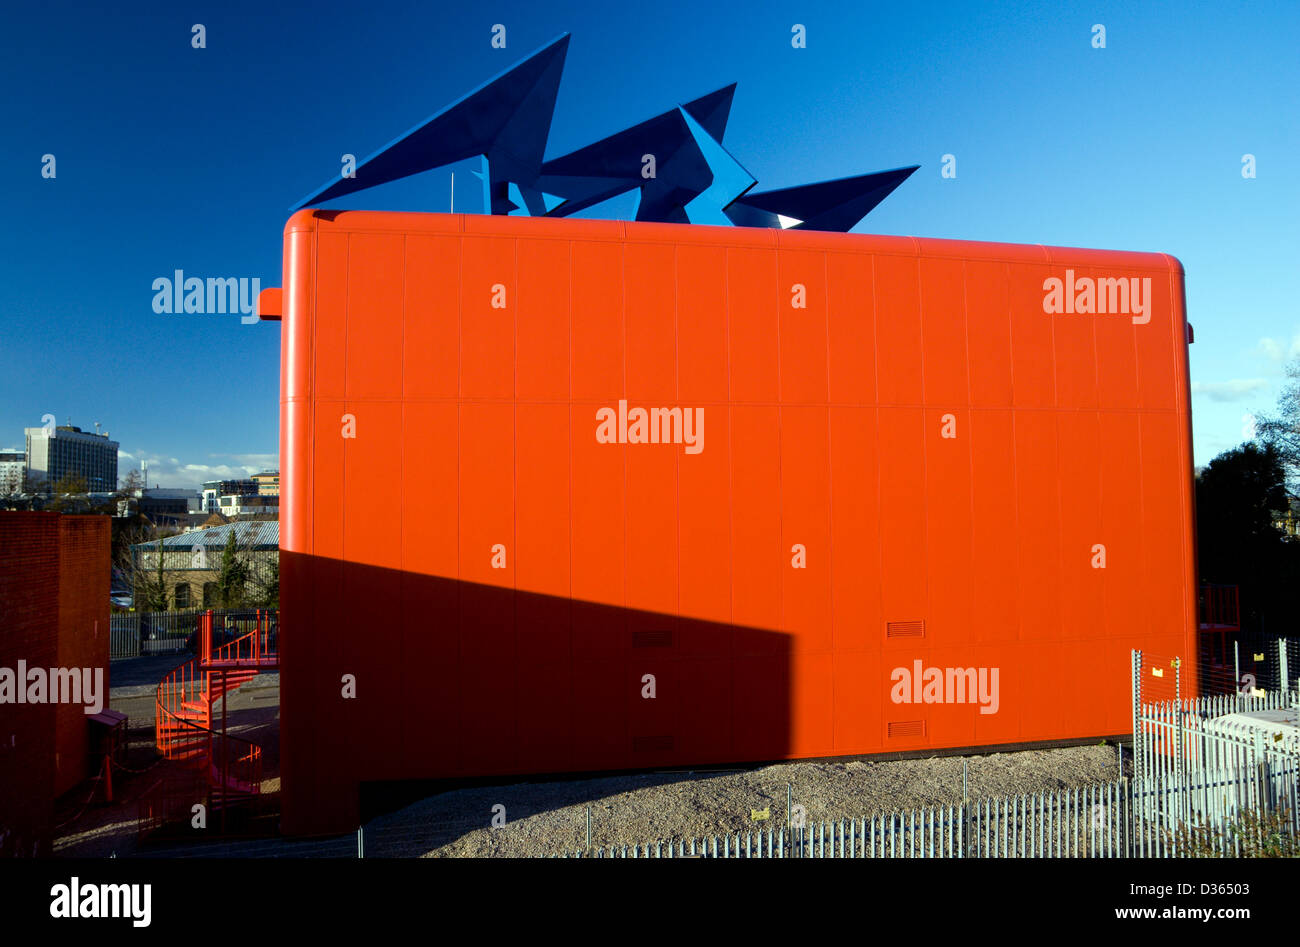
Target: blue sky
170	157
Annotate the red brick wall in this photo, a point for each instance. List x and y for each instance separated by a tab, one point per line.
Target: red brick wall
54	587
83	634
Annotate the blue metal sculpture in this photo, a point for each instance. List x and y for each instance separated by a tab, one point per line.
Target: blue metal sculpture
675	161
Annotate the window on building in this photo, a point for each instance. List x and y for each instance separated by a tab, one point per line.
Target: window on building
209	594
182	594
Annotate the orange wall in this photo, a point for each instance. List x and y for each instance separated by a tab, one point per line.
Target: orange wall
823	426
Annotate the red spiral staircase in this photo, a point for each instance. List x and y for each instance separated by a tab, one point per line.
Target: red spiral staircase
189	726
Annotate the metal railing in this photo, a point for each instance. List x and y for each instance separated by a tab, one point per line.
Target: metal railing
135	634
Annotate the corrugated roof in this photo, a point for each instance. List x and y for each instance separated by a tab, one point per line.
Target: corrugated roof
263	534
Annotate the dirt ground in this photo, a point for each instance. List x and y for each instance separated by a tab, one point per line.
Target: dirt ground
550	818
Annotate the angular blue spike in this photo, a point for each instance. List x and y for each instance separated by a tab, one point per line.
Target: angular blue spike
730	180
835	205
613	165
713	110
506	121
507	118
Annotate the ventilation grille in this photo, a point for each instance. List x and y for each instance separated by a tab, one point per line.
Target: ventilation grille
905	629
651	744
907	728
652	639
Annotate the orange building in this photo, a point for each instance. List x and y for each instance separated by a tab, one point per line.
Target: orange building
672	495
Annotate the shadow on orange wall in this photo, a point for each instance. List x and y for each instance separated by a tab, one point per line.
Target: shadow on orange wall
392	676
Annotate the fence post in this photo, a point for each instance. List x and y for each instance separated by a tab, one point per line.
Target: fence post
1180	769
1282	668
1236	670
1139	758
789	815
965	797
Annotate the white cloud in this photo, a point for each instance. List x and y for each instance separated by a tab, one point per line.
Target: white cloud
1277	352
1235	390
171	472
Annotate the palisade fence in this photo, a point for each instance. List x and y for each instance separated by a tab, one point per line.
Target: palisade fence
133	634
1212	776
1225	755
1119	819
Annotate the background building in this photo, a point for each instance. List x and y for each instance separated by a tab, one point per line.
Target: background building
236	506
214	490
192	563
53	454
12	465
268	483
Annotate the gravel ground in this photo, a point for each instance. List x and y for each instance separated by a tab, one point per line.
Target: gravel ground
549	818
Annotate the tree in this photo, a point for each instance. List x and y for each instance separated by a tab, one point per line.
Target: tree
146	579
151	585
232	579
72	484
1237	498
35	483
70	494
131	484
1281	430
266	586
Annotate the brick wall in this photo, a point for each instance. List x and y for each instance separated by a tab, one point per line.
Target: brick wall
83	634
53	589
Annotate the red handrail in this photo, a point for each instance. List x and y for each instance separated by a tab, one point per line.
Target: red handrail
183	710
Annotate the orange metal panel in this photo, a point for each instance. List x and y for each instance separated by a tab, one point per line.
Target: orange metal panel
754	298
851	329
651	320
988	309
376	265
598	534
596	311
801	327
487	329
1039	513
995	524
757	553
1033	376
702	327
805	528
901	534
948	503
430	351
943	332
856	616
542	344
898	330
542	564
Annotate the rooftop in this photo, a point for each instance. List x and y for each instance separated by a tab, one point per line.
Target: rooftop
260	534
